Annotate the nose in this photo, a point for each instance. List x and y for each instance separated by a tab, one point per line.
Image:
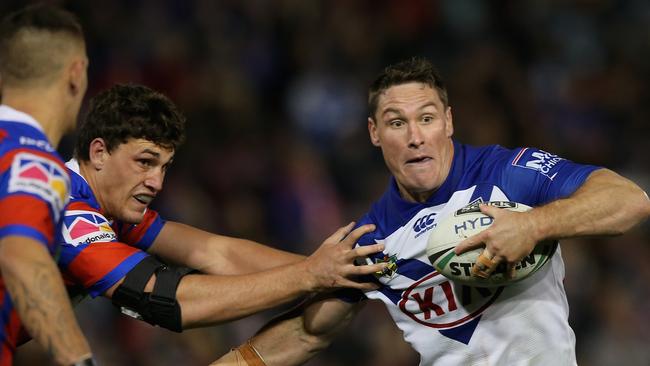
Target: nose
154	180
415	138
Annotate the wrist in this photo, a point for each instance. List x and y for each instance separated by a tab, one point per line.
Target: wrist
538	225
306	276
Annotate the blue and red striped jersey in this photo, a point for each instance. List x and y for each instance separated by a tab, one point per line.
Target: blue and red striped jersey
34	187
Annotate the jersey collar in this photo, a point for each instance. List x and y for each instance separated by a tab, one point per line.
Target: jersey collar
8	113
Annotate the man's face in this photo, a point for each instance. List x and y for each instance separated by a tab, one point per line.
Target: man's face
413	129
130	177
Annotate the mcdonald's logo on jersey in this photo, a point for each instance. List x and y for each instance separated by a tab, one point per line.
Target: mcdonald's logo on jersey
86	227
38	175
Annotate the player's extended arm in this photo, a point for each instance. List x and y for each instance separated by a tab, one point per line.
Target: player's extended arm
216	254
210	299
296	337
37	291
605	204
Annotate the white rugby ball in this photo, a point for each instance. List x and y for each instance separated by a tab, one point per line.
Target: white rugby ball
469	221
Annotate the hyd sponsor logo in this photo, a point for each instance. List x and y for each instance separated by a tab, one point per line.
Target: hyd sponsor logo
37	175
86	227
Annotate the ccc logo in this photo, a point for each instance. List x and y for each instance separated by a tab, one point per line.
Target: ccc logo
423	222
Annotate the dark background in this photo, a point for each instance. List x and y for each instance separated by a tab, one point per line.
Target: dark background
278	152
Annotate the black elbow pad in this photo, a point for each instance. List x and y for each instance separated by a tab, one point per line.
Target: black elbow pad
158	307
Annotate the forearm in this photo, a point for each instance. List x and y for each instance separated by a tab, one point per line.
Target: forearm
216	254
286	342
606	204
208	299
38	294
244	256
299	335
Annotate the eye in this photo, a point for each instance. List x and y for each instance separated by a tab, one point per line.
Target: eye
428	118
396	123
145	163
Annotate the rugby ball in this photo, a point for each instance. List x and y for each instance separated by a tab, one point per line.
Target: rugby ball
469	221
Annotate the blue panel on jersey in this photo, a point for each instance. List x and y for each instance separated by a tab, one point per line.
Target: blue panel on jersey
482	192
151	234
24	230
394	295
413	268
462	333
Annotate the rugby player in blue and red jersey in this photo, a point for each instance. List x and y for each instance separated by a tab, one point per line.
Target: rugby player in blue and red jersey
43	74
115	246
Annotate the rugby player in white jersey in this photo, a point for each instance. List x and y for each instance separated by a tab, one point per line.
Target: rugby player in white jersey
525	323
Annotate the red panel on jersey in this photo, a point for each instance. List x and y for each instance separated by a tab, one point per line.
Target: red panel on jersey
97	260
27	210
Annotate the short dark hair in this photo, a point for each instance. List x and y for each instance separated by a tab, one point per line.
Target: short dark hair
126	112
416	69
33	41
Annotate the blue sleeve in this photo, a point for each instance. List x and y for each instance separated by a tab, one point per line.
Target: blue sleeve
535	177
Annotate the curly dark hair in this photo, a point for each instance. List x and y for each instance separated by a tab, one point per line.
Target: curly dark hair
126	112
416	69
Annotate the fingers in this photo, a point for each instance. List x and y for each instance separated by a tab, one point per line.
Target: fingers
485	264
369	269
340	234
363	286
490	210
351	239
364	251
473	242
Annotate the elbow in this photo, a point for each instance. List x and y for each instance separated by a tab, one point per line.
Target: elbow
315	343
637	210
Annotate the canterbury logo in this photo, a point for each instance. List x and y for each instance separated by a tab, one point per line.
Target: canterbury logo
424	222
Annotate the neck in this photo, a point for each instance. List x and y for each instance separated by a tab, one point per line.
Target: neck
44	106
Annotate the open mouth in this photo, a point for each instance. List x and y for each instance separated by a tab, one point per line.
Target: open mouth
419	159
145	199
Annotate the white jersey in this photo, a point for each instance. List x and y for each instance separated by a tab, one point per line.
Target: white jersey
449	324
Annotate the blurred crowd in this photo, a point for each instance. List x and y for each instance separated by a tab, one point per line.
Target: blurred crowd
277	148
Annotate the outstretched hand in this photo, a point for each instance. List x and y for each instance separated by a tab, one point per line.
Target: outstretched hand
332	264
509	239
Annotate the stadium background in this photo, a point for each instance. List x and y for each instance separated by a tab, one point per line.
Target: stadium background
277	149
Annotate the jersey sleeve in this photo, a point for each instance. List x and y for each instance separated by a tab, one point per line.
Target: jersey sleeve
34	189
535	177
141	235
91	255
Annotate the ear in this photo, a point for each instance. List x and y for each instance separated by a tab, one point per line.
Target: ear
372	130
78	79
449	124
98	153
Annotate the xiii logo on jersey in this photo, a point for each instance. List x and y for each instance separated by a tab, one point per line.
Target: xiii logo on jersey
453	309
37	175
86	227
